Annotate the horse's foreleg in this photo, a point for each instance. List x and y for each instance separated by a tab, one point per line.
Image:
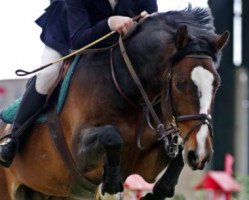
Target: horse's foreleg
97	142
111	142
165	186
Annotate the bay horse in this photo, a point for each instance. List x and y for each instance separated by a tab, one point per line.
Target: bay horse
170	83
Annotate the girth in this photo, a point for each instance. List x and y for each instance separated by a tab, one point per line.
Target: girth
59	140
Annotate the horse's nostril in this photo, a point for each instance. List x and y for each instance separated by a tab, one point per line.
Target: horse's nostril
192	157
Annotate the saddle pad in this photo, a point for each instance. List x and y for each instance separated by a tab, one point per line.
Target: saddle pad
8	113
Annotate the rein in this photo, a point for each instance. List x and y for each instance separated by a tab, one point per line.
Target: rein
161	132
160	125
120	90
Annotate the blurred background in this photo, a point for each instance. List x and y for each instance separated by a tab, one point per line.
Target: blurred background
21	48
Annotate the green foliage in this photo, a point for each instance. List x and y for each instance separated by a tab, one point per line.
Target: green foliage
179	197
244	181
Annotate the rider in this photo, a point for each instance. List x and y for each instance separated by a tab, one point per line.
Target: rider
69	24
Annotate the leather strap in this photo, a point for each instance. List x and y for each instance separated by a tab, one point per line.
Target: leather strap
140	127
61	145
201	117
160	126
120	90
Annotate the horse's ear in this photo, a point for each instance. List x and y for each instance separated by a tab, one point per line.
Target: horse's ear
221	41
181	37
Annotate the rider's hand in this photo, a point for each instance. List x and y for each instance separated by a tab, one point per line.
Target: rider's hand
144	14
120	24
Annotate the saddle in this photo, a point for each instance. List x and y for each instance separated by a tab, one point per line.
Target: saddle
8	113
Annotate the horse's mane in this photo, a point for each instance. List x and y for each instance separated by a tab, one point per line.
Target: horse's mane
199	22
151	37
195	18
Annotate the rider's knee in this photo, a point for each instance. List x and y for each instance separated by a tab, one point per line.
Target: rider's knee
47	78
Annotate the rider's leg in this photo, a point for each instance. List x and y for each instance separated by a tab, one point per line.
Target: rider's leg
47	77
33	98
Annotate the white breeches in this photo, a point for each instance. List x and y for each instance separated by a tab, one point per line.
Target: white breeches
47	77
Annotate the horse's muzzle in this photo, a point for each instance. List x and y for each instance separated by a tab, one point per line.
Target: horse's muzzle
195	162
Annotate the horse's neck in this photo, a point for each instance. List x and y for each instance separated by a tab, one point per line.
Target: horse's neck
145	69
94	78
93	85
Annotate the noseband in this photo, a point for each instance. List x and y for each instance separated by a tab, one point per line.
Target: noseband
169	136
203	118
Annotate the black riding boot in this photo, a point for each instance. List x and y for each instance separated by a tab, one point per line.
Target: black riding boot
30	103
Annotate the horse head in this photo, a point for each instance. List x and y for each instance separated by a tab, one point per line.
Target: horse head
182	55
190	92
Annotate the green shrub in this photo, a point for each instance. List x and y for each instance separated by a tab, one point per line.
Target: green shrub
244	181
179	197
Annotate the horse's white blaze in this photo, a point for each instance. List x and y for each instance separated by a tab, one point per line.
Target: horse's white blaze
108	196
203	79
201	141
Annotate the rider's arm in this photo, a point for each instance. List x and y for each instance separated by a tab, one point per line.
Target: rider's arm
81	30
84	30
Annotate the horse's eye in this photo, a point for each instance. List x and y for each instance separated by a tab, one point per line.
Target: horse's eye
181	84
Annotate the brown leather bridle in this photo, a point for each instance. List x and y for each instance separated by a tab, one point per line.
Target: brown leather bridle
170	135
203	118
